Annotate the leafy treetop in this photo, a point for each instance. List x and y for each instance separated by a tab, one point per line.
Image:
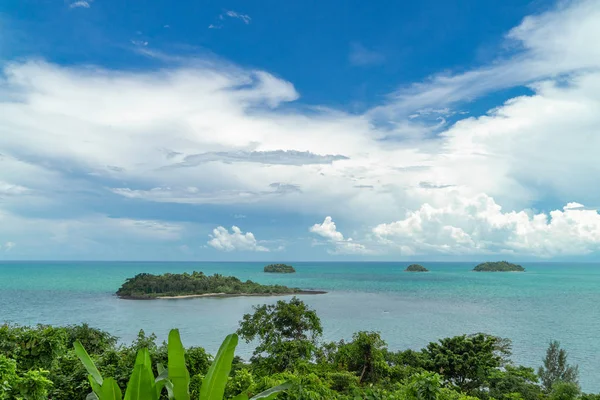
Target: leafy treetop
498	266
416	268
279	268
148	286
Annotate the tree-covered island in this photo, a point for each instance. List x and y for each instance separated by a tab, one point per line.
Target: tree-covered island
197	284
416	268
279	269
498	266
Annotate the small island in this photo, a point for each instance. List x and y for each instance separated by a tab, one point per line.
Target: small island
279	269
197	284
498	266
416	268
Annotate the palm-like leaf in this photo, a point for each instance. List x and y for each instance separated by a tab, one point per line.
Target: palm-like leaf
213	385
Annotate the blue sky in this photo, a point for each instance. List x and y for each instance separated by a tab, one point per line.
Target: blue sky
328	130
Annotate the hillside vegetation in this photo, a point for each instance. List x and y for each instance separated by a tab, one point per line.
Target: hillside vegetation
149	286
498	266
279	269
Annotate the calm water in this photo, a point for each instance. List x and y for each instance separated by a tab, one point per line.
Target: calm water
549	301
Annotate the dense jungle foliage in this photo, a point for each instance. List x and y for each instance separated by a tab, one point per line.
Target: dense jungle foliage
416	268
279	268
41	362
498	266
148	286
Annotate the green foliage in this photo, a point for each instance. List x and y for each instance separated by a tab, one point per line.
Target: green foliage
289	357
556	369
279	269
498	266
32	385
514	380
364	355
424	386
287	333
143	385
149	286
241	381
416	268
9	379
562	390
465	361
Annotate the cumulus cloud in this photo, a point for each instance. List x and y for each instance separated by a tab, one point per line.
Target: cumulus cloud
223	240
478	225
328	230
243	140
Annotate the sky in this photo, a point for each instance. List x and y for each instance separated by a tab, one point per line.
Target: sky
299	130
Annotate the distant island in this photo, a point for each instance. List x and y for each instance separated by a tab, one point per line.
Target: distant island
498	266
416	268
279	269
148	286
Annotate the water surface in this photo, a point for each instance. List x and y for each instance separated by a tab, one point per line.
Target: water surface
549	301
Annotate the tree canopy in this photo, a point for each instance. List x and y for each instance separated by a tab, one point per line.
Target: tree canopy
416	268
498	266
286	332
556	369
279	269
148	286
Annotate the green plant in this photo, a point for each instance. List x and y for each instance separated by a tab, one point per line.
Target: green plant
175	379
556	369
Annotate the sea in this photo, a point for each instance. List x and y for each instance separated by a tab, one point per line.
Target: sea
550	301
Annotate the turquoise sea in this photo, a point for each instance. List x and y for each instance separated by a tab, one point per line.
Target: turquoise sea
550	301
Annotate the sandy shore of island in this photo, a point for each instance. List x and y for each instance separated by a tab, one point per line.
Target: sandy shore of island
191	296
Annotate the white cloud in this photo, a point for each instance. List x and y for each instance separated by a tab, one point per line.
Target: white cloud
548	45
207	132
80	4
244	17
477	225
329	231
235	241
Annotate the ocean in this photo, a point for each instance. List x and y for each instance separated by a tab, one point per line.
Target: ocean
549	301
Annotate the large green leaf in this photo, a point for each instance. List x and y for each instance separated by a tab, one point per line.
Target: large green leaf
96	388
162	381
213	385
87	362
110	390
270	394
178	373
241	396
141	384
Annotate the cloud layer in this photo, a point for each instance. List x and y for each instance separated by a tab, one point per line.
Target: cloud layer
399	176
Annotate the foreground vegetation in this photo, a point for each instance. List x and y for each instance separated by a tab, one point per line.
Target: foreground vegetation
279	269
46	362
149	286
416	268
498	266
